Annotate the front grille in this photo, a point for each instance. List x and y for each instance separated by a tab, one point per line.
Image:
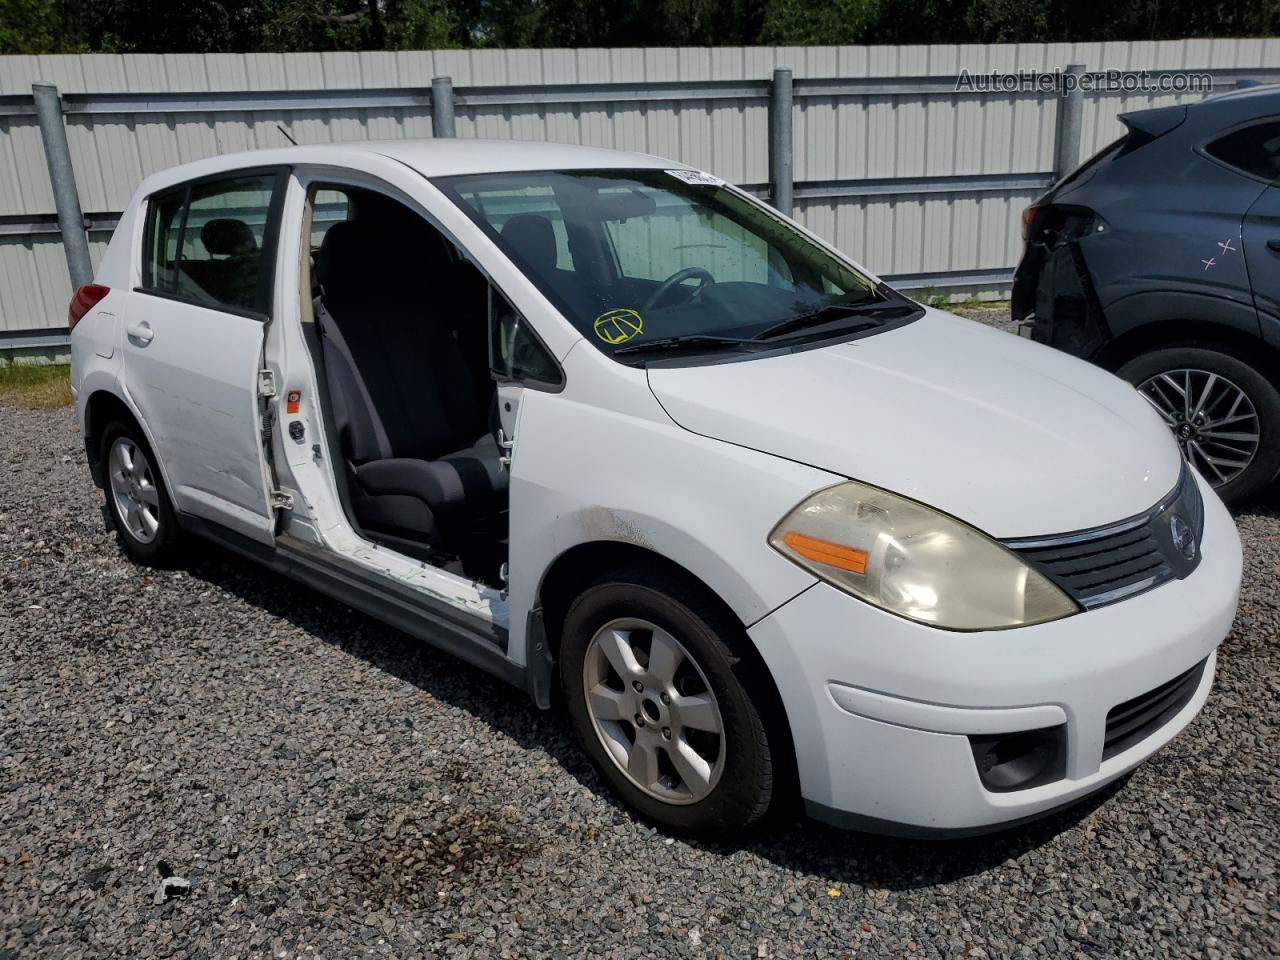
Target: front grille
1101	566
1112	566
1136	719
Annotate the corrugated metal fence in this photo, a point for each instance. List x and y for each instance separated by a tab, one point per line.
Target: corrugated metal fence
920	182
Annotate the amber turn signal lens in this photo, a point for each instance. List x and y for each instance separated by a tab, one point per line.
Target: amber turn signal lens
830	554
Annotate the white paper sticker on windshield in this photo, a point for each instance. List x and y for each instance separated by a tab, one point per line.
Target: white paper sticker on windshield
697	177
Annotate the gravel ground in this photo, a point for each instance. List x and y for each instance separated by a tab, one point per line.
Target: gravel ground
329	788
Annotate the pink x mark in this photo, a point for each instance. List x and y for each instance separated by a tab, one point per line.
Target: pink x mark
1226	246
1209	263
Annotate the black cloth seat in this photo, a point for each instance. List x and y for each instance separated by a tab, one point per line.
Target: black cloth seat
405	404
453	479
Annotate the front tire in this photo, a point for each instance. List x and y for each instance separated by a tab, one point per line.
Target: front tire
1224	412
137	501
666	701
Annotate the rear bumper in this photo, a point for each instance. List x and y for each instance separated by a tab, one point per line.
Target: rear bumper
1055	301
882	710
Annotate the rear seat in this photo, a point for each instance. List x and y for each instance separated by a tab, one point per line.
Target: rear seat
230	275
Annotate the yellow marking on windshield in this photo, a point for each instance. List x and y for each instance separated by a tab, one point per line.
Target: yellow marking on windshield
618	325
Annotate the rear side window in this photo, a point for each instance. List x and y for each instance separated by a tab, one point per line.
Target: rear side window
212	242
1255	150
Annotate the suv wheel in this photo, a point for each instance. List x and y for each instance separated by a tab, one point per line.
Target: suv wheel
1223	411
137	501
666	705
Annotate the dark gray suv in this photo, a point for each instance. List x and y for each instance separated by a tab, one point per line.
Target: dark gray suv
1159	259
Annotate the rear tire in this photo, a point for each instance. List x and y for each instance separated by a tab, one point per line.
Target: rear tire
137	501
1223	410
677	732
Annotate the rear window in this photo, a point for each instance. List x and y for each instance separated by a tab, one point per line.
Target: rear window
1081	173
1254	150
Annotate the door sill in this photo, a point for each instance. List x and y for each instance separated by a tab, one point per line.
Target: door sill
470	637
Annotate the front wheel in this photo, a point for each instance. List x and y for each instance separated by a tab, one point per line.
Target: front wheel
667	703
1223	411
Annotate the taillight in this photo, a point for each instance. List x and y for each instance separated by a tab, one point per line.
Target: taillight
1028	217
83	300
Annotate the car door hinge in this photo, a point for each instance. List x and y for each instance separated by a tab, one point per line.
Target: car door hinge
281	500
266	383
505	446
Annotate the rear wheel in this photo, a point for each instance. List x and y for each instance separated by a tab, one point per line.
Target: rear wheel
667	705
1224	413
137	501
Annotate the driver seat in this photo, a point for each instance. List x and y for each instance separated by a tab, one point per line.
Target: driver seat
419	455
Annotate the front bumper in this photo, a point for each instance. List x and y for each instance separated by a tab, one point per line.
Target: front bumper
882	709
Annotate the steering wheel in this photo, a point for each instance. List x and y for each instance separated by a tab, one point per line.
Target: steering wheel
677	278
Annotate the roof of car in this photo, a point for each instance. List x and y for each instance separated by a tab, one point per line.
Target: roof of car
438	158
1252	92
431	158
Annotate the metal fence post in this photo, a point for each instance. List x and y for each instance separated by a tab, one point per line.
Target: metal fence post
780	141
442	107
75	242
1066	144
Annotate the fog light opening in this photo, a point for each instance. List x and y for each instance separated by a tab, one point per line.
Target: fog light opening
1021	760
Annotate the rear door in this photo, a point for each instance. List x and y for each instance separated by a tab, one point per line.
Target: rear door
194	342
1262	254
1253	150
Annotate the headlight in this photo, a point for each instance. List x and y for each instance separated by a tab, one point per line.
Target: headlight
916	562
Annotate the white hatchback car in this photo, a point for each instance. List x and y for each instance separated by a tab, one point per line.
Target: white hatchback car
598	422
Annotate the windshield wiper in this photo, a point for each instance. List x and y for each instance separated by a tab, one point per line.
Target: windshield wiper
690	340
875	313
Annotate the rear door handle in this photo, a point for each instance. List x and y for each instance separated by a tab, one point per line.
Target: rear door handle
140	330
1274	245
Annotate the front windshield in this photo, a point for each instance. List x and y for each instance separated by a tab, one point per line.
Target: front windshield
640	257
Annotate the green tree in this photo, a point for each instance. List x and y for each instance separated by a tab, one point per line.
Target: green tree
31	26
199	26
834	22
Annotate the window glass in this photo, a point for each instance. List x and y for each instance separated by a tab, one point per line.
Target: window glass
633	257
528	214
680	235
164	214
223	254
207	243
1254	149
328	207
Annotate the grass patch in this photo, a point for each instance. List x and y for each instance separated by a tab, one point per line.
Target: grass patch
973	303
37	386
933	297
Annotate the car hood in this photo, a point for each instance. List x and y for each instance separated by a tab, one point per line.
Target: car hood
1015	438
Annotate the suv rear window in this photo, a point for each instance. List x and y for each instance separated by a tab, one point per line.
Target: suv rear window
1255	150
212	242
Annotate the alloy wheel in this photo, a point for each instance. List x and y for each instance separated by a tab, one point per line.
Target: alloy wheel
1213	420
653	710
134	490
